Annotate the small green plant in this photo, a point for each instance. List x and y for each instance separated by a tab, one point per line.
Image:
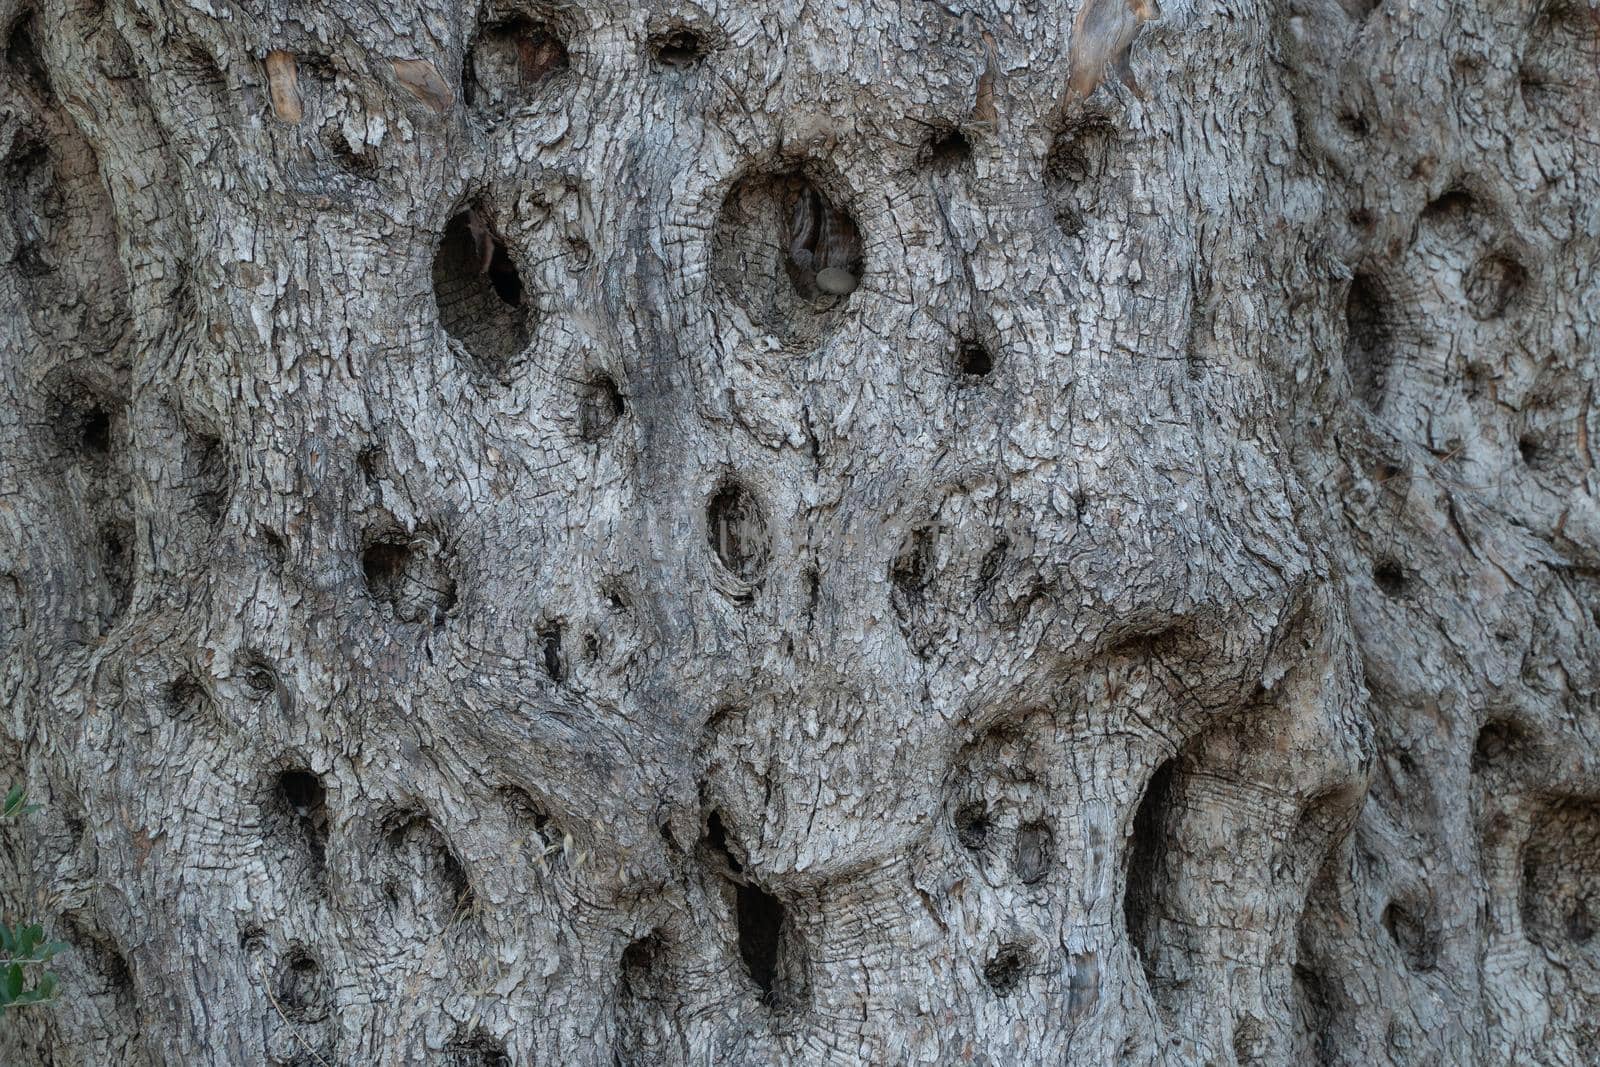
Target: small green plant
24	947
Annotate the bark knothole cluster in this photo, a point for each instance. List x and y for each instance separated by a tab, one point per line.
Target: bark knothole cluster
889	532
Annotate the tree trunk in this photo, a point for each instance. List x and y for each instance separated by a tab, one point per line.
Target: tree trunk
881	532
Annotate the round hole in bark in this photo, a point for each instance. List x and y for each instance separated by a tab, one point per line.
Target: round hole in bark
974	360
1529	449
550	652
737	532
678	47
508	61
410	575
947	149
303	989
1418	944
478	290
1500	743
1354	123
600	405
1455	203
1390	577
1006	970
973	826
787	252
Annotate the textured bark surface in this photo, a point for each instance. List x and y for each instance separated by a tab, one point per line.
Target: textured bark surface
865	532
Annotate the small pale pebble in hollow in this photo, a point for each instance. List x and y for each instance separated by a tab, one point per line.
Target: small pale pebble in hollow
837	281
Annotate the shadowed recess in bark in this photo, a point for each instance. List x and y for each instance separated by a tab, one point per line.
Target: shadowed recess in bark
600	405
508	61
1007	968
477	1049
555	664
410	575
297	815
1501	744
787	254
1078	175
760	919
678	47
1560	70
479	292
645	1000
206	475
1561	884
1410	929
946	149
974	360
1144	888
737	532
1390	577
1369	347
973	825
116	570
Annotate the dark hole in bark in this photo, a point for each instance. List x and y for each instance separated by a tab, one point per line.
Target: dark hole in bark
1078	173
259	676
975	360
913	567
1561	878
1391	578
102	955
479	290
550	652
116	563
600	405
786	253
187	700
973	826
307	804
679	47
22	56
737	532
1410	933
1035	852
1369	345
96	433
1530	451
508	60
252	940
476	1050
303	990
1499	743
760	919
410	576
717	838
426	860
1492	284
1314	1008
947	149
208	476
359	162
1354	123
1451	204
1004	973
1141	898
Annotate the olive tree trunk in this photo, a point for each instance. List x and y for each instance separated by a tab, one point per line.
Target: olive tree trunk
848	532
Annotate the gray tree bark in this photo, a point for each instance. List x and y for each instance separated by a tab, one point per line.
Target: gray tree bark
987	531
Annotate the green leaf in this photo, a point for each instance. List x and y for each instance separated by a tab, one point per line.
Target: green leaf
14	798
8	940
13	981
